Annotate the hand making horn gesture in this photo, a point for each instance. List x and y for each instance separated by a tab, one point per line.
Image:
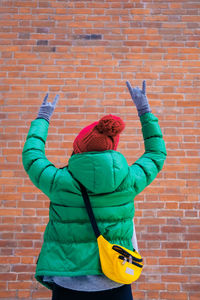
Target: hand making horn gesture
47	108
139	98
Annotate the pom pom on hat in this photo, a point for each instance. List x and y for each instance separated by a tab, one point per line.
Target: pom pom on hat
110	125
99	136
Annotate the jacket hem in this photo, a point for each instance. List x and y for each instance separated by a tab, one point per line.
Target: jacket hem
39	276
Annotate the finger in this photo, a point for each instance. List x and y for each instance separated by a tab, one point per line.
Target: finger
144	87
45	99
55	100
129	87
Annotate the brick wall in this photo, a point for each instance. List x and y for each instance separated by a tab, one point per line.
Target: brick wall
85	51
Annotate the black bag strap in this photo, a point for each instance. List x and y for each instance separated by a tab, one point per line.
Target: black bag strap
90	210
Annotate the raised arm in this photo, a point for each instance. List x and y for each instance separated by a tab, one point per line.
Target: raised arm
145	169
40	170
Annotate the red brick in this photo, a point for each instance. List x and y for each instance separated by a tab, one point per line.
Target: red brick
41	294
175	229
189	270
173	287
174	278
23	268
174	296
152	286
19	285
194	296
171	261
24	294
191	287
7	277
8	295
174	245
10	212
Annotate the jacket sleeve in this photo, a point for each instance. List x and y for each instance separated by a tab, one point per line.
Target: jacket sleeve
146	168
40	170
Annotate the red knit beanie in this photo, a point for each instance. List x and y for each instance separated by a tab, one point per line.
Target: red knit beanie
99	136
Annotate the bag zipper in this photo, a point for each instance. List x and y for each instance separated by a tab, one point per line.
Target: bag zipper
125	253
133	263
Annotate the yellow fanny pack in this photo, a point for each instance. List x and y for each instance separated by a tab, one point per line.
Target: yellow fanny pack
117	263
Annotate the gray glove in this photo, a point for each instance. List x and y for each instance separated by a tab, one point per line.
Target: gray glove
139	98
46	109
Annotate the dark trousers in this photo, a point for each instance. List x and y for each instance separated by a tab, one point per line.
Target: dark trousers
120	293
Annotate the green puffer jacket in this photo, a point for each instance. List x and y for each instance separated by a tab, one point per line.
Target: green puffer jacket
69	247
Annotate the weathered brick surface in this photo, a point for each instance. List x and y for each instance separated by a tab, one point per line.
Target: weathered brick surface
85	51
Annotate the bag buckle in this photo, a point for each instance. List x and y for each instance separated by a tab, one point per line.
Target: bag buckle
130	260
124	261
